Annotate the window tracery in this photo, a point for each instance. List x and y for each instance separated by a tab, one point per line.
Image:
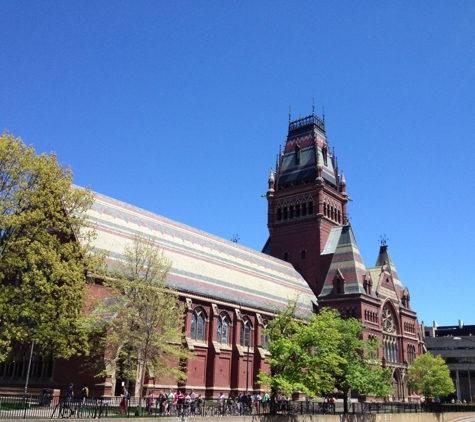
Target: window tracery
245	332
197	324
390	341
223	328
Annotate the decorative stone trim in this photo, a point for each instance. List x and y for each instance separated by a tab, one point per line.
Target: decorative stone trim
189	304
215	309
238	314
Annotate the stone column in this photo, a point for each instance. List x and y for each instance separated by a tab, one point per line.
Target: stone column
457	385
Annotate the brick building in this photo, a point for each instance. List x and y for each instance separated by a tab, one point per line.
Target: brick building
309	227
231	291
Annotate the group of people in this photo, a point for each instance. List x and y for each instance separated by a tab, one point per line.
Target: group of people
174	401
244	403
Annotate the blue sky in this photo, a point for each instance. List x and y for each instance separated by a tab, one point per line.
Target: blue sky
179	107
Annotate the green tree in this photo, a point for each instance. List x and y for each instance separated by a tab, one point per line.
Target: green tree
316	354
146	333
303	353
44	254
430	376
361	371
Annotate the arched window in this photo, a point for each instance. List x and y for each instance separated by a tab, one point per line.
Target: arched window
310	208
390	341
246	332
223	329
411	354
197	331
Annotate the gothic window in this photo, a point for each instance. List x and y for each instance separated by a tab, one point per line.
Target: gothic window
197	331
388	320
303	254
286	256
291	212
264	337
338	284
411	354
223	329
16	365
245	332
297	211
297	153
285	213
310	208
390	341
279	214
304	209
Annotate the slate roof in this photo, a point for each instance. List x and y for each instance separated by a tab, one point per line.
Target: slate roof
203	264
384	257
311	138
346	260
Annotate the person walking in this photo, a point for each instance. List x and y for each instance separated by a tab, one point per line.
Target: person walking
124	401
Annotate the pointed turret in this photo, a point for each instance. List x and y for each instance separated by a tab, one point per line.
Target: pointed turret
271	181
385	258
347	271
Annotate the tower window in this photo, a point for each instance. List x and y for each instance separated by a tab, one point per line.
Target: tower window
286	256
304	209
303	254
279	214
291	212
285	213
297	211
310	208
297	153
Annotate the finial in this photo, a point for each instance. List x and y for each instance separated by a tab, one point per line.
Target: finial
271	176
343	181
383	240
323	112
313	106
290	114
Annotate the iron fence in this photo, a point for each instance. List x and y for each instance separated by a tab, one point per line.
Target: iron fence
46	406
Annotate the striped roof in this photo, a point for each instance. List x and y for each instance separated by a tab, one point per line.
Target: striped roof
346	261
385	258
202	264
310	138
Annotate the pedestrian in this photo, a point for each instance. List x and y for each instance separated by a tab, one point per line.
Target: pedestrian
221	403
265	402
150	402
124	401
70	391
258	400
192	403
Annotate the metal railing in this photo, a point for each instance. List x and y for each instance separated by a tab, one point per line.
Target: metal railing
46	406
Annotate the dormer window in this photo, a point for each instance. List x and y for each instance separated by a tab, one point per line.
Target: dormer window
297	153
325	155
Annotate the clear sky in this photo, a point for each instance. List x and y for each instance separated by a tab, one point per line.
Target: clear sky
179	107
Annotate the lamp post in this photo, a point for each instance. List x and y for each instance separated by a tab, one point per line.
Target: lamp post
29	366
468	367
